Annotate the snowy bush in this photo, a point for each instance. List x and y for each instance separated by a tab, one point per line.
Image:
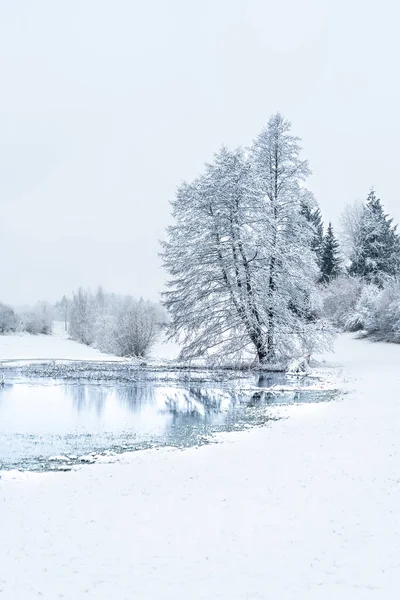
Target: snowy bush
352	305
137	327
104	334
384	319
115	324
38	320
361	316
339	299
8	319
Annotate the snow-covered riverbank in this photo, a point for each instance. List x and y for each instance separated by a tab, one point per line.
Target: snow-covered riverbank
304	509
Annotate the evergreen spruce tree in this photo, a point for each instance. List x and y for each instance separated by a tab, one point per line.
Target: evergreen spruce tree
379	254
314	219
330	262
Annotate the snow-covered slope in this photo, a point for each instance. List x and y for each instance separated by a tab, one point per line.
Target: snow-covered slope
56	346
306	509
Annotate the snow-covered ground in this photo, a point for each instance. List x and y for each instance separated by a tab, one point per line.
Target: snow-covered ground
307	508
46	347
58	346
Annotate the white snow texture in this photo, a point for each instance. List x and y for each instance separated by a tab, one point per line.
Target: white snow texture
307	508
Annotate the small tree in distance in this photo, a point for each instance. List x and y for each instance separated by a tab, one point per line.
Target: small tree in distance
136	329
8	319
39	320
330	259
350	233
313	216
82	317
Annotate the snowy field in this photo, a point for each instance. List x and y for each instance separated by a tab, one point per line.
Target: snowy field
307	508
58	346
46	347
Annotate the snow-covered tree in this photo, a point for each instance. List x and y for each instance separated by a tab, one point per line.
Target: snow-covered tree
340	297
137	328
330	260
102	322
116	324
378	254
242	268
39	319
384	317
82	317
353	305
361	316
351	230
312	213
8	319
290	265
61	311
211	256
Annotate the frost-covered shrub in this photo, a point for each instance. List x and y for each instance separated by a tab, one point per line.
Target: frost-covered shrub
104	334
82	317
384	322
362	316
353	306
136	328
115	324
39	320
340	297
8	319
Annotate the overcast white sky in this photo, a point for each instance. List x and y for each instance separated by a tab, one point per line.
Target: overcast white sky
106	105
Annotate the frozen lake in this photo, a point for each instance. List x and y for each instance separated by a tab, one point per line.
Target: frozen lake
47	424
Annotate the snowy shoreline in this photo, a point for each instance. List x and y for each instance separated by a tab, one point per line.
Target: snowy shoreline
87	371
304	508
57	355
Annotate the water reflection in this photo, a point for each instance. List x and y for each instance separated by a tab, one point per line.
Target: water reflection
94	397
133	397
39	421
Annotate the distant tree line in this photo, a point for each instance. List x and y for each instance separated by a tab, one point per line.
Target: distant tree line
365	296
38	319
116	324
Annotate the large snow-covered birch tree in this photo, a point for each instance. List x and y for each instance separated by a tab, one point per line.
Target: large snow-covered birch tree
209	257
242	269
285	237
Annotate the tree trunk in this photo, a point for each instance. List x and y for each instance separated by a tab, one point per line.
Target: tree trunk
272	267
262	352
271	316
